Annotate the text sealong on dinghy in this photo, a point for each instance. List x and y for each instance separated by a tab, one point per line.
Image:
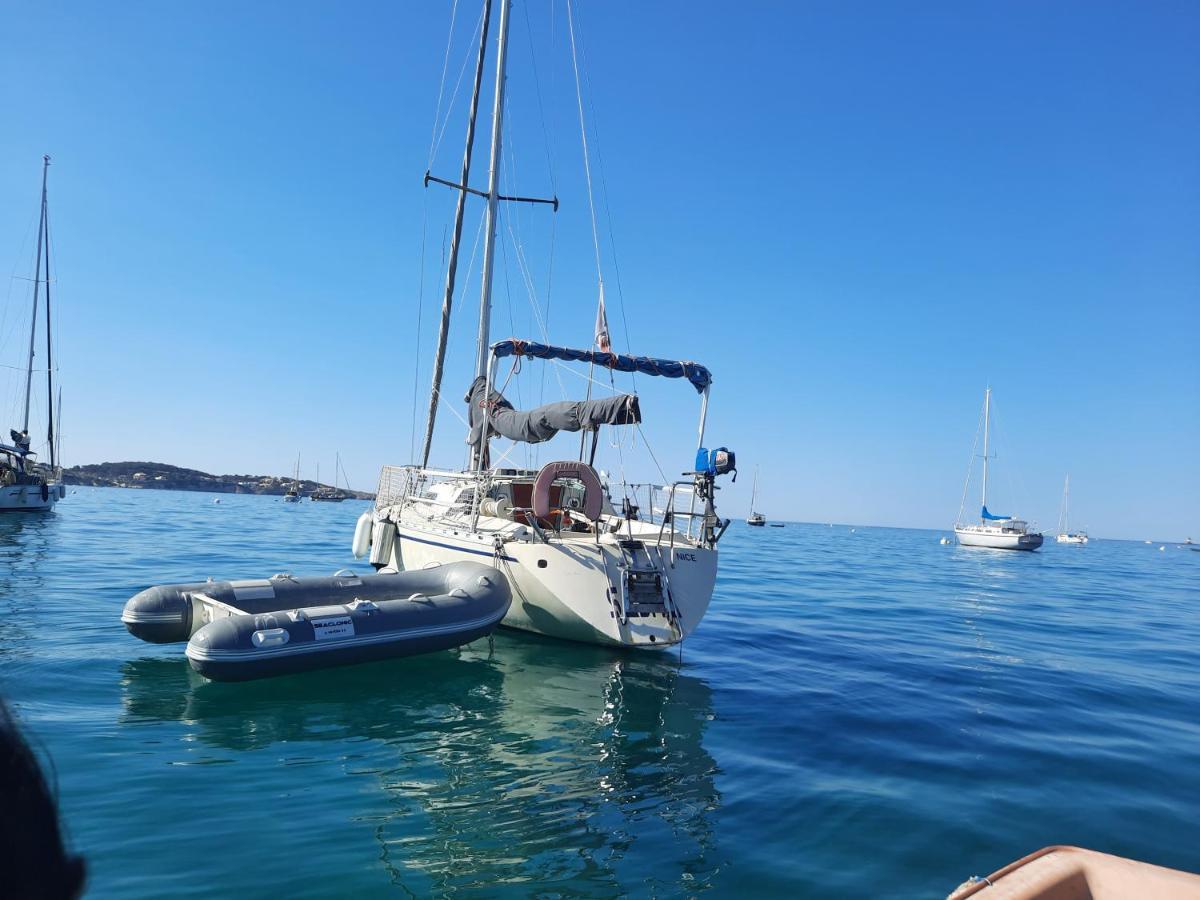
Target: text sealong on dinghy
589	558
242	630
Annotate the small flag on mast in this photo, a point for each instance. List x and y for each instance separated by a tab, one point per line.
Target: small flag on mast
603	341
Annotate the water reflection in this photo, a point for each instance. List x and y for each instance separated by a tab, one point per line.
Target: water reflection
533	762
26	542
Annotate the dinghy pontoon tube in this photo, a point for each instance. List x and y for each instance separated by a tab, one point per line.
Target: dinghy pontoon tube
239	630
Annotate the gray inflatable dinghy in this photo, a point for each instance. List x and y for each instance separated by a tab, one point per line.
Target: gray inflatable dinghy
240	630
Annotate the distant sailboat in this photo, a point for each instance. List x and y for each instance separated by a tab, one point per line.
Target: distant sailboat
25	483
293	493
755	518
1065	535
997	532
329	495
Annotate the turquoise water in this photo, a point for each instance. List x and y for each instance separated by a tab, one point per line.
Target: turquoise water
860	712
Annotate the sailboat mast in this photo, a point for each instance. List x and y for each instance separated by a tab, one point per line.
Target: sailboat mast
58	434
49	356
754	490
37	284
1066	504
452	269
493	198
987	414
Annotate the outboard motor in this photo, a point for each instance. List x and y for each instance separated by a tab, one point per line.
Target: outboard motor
710	464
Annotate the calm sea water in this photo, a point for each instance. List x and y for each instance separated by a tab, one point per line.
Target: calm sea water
861	712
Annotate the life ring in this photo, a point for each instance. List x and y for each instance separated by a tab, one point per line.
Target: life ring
593	491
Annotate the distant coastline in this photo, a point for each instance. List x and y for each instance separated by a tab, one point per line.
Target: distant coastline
163	477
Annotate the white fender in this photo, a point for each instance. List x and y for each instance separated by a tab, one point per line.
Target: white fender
382	539
362	536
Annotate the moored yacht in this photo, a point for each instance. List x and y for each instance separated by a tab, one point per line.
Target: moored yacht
998	532
330	494
292	495
755	518
1065	535
26	483
589	557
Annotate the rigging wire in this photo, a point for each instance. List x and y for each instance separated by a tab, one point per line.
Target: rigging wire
433	142
445	120
970	466
438	130
587	166
587	169
437	113
604	191
576	54
8	328
466	278
537	87
412	432
1021	495
553	180
650	450
511	324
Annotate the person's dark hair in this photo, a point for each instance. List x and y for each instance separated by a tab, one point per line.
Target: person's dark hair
33	860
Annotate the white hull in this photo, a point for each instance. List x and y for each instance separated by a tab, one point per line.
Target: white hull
996	538
566	588
29	497
1072	538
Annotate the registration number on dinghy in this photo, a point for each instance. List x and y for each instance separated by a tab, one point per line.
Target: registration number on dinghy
332	627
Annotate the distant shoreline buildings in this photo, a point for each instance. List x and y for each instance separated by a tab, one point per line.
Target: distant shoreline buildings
164	477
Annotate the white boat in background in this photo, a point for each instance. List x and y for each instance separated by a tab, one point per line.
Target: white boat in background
293	493
330	494
1065	535
755	518
993	531
590	558
26	483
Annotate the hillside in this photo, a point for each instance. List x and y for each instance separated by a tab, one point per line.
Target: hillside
163	477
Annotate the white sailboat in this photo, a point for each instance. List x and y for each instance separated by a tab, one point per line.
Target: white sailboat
755	518
589	558
993	531
1065	535
293	493
329	494
26	483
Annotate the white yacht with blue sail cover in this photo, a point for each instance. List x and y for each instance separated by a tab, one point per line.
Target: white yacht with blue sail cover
589	557
998	532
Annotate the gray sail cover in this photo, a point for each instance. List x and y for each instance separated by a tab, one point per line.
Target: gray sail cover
543	423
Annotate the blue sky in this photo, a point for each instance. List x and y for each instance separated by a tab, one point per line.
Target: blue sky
856	214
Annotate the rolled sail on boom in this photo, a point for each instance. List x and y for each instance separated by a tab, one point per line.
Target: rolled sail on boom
541	424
